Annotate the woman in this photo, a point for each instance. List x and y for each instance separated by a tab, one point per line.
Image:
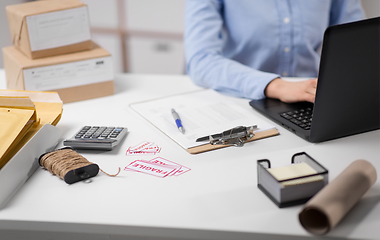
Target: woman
244	47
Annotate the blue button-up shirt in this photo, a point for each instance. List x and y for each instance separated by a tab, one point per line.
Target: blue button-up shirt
238	46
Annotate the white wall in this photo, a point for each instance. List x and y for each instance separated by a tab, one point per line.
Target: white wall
371	8
152	40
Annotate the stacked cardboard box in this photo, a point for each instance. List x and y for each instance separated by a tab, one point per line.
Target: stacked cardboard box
53	51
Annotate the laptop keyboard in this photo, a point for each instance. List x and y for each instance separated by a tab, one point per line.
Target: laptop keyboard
301	117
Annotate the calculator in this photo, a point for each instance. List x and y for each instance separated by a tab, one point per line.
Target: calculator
97	138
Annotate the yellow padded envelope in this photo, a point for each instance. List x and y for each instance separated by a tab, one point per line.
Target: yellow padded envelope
14	125
47	109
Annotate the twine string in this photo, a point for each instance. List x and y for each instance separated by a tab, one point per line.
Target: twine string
62	161
111	175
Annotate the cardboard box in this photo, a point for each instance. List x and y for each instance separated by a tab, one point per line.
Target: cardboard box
75	76
48	28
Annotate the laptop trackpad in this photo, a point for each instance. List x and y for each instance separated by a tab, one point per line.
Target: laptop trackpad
270	102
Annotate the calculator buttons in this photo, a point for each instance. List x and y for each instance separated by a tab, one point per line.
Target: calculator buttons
88	132
97	137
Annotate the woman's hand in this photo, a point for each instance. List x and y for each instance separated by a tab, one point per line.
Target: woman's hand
292	91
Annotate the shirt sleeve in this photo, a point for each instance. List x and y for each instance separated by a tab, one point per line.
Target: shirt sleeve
204	40
344	11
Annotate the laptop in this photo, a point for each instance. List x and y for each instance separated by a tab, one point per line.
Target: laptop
347	101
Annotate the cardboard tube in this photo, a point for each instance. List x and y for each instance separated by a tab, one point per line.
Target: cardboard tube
324	211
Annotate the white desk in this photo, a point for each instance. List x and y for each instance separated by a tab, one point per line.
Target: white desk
217	199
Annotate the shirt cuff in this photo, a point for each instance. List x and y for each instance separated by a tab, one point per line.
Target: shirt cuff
255	89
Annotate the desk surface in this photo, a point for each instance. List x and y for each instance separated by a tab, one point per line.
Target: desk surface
217	199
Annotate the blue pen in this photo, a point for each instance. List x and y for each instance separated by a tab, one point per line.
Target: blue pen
178	121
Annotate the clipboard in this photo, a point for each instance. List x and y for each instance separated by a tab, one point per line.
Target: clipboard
203	112
209	147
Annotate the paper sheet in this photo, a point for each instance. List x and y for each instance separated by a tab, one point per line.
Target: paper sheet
292	171
71	74
59	28
202	113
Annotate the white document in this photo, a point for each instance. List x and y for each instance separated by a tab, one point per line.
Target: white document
202	113
67	75
57	29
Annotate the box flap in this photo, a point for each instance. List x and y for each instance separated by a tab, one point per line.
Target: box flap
26	62
48	105
38	7
16	102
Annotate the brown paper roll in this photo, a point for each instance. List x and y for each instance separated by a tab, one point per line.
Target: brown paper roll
324	211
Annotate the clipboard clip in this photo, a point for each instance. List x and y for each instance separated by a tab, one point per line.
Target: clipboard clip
236	136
